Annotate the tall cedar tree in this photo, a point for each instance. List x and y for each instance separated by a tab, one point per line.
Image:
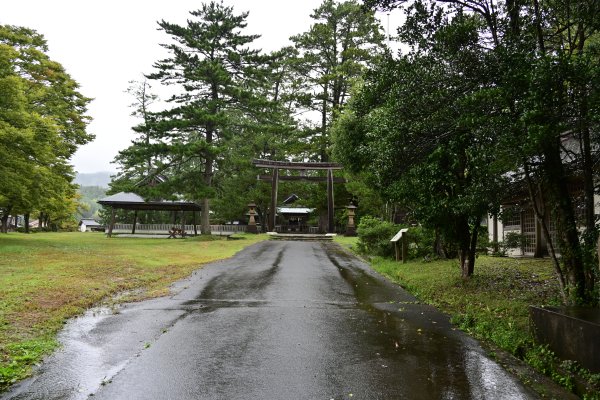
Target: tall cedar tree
216	75
269	133
332	53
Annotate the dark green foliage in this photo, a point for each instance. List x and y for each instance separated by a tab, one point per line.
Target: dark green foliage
374	236
412	129
486	94
216	77
513	240
233	104
335	50
421	243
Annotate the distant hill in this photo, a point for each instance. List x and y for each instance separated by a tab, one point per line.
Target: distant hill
89	198
101	179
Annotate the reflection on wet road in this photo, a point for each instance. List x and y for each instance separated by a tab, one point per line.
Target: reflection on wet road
281	320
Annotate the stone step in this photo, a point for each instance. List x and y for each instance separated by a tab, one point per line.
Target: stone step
300	237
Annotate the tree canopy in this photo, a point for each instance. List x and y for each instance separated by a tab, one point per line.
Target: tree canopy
42	123
233	103
511	86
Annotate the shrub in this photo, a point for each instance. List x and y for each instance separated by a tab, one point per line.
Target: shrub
421	243
513	240
374	236
483	240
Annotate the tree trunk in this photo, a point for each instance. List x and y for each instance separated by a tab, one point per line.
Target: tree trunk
208	163
467	254
205	217
466	257
539	210
463	258
4	227
323	144
205	214
6	212
438	248
473	248
598	251
569	245
591	233
26	222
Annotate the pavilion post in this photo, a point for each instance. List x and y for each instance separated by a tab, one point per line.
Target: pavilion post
330	205
182	223
135	215
194	222
112	221
273	211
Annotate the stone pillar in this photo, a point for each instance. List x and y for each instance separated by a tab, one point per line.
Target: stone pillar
252	222
351	227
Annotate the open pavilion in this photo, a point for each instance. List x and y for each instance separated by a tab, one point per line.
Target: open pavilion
132	201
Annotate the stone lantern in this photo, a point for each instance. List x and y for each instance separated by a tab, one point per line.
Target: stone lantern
252	228
351	227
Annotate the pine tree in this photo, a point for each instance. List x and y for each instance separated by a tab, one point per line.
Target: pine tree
216	75
332	53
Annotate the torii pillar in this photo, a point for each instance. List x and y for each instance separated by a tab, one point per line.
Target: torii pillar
277	165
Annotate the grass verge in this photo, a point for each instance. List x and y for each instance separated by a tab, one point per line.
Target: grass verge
492	305
46	278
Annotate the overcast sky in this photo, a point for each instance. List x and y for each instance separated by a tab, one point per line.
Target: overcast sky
105	44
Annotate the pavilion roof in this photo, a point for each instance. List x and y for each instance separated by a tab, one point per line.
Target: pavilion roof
132	201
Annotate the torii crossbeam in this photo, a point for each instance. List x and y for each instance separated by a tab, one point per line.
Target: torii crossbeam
277	165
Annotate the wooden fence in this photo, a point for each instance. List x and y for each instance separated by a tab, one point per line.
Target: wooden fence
163	229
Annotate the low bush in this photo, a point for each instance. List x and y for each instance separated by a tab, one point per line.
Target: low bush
421	243
374	236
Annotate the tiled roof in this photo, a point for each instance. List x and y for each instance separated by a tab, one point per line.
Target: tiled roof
123	197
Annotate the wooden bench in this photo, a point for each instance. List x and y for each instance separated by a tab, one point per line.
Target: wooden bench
174	232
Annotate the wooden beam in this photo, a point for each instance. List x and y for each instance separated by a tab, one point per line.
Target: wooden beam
182	223
135	215
294	165
194	222
269	178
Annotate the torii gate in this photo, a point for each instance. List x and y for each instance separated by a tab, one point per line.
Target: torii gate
275	178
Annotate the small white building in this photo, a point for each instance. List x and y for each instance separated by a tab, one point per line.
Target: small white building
89	225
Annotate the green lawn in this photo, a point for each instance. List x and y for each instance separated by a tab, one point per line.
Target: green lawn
491	305
46	278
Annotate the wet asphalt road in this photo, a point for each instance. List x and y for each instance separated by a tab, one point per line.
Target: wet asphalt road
281	320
